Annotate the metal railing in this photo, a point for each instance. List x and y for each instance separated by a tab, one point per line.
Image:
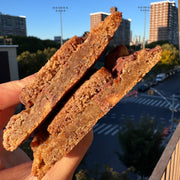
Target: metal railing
168	165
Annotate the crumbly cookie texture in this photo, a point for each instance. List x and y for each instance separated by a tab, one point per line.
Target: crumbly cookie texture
30	92
88	104
66	73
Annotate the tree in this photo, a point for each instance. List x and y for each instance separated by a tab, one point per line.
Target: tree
141	145
107	174
156	43
32	44
170	58
26	64
170	55
30	63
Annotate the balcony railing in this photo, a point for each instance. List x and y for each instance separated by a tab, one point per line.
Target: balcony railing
168	166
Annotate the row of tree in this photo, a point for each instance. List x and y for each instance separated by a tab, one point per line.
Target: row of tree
32	44
33	53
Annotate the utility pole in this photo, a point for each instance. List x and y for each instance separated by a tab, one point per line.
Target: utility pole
172	107
145	9
61	9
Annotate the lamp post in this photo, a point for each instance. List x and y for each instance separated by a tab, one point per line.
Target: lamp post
61	9
145	9
172	107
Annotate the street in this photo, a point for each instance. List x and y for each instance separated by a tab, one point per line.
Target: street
106	144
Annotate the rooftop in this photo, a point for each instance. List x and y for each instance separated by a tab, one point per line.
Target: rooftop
100	13
160	2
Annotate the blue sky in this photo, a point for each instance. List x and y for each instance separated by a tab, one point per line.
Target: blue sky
44	22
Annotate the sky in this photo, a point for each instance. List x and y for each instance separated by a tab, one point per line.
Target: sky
43	21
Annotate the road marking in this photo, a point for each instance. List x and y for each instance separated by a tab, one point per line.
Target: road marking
110	130
107	127
132	117
167	105
150	101
115	132
137	100
146	101
163	103
142	100
134	99
99	127
122	117
154	102
113	115
158	103
177	105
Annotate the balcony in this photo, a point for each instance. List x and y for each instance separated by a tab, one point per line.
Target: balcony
168	165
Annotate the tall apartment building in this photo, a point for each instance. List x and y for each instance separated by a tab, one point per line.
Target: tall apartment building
122	35
164	22
12	25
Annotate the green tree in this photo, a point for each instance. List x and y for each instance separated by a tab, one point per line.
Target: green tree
107	174
32	44
30	63
170	58
170	55
110	174
82	175
141	145
156	43
26	63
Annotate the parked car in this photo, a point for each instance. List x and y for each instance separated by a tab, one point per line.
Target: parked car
144	87
154	82
161	77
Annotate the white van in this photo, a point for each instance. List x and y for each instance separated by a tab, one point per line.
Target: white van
161	77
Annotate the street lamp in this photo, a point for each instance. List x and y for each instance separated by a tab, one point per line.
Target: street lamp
61	9
145	9
172	107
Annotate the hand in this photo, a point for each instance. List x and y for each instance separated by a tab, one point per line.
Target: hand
16	164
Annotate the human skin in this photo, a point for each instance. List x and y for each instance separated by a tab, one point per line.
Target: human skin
17	165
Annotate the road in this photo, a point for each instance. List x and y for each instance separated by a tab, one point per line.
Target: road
106	144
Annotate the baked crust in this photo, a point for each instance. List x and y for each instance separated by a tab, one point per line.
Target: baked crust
30	92
88	104
73	69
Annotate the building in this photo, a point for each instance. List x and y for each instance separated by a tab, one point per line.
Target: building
57	39
8	63
12	25
97	17
164	22
122	35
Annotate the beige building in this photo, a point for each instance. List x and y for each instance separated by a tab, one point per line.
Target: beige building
164	22
8	63
122	35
